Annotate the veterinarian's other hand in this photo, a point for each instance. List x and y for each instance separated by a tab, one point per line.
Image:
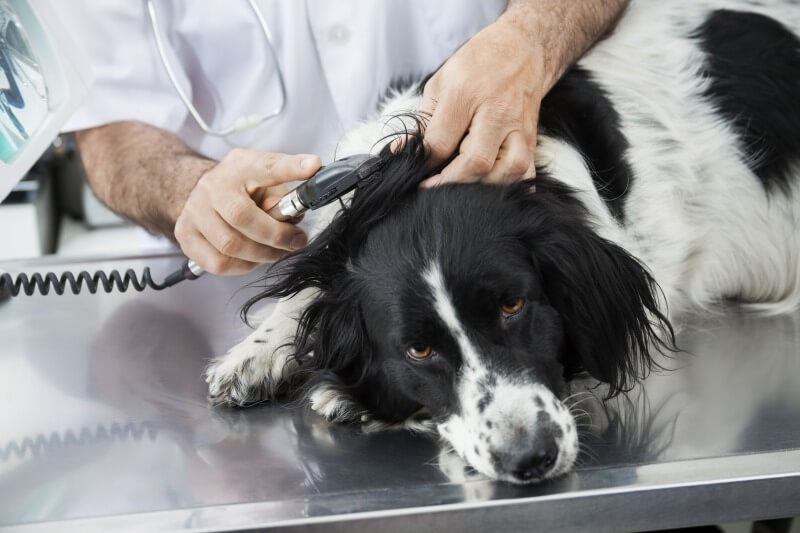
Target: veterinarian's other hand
484	101
224	226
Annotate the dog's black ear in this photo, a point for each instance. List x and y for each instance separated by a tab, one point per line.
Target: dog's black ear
610	304
336	370
332	348
332	354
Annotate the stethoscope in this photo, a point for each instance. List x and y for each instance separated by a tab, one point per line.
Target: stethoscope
242	123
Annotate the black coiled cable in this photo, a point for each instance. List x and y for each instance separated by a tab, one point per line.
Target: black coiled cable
43	283
50	280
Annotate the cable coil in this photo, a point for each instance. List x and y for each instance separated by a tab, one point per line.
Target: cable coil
43	443
59	283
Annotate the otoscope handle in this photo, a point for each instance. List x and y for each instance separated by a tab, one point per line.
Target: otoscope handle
189	271
289	207
329	183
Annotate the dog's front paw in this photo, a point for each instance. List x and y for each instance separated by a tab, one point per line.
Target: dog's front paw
250	373
235	381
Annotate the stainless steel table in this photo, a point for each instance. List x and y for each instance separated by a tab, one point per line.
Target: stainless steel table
104	426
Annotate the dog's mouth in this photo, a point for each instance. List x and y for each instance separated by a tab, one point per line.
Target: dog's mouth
522	434
532	464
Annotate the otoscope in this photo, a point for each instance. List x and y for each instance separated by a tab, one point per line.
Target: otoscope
330	183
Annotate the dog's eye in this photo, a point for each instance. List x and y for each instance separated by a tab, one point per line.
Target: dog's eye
419	351
512	307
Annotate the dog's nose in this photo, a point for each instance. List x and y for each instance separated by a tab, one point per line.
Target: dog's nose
533	462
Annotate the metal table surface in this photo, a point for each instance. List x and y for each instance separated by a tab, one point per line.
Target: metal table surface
104	426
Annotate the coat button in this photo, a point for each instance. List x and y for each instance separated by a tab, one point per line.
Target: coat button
338	34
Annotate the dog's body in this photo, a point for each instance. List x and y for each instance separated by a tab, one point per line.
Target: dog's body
676	141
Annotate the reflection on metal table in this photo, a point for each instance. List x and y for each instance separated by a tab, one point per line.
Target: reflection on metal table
105	426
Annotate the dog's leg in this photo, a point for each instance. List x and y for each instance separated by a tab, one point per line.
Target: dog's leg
253	370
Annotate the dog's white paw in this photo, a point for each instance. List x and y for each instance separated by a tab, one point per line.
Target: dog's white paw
455	468
251	372
235	381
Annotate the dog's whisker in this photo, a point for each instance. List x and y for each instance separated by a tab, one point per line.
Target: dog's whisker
587	453
584	449
581	401
576	394
587	459
581	415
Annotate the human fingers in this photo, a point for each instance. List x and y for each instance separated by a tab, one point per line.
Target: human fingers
238	209
241	181
447	126
264	169
196	247
514	160
229	242
477	152
531	131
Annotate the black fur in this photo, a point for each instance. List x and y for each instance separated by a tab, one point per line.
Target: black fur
753	64
579	111
589	304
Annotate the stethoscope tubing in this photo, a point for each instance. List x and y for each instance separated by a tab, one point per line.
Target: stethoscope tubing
243	123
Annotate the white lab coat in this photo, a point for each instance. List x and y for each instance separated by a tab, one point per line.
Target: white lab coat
337	56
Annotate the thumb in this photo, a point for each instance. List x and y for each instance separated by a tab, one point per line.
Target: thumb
531	172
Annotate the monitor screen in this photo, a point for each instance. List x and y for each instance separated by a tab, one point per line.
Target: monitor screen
23	88
43	78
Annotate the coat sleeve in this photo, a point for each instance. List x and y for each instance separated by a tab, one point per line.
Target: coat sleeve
130	82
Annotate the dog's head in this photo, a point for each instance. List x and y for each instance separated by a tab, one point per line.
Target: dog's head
473	303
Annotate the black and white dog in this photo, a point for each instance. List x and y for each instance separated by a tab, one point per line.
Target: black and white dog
668	180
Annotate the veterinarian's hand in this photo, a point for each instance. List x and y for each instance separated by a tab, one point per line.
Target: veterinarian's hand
224	226
484	101
489	90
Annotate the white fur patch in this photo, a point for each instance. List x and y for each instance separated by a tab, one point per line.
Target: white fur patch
330	402
447	312
496	412
394	118
336	405
696	214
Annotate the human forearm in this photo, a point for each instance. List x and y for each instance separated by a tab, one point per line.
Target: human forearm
141	172
215	210
562	30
